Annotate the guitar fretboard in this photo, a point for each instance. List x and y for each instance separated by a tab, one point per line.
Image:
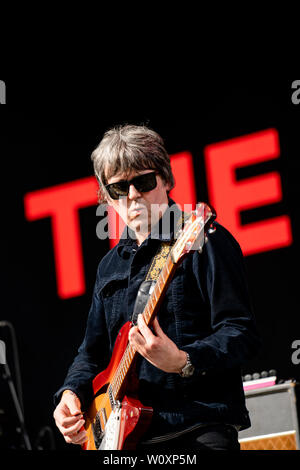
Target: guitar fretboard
149	313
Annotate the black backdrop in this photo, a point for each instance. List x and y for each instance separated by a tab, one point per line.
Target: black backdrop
42	147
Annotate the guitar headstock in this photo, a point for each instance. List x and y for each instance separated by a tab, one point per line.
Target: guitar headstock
193	234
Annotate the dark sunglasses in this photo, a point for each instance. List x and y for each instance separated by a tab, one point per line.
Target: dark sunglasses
142	184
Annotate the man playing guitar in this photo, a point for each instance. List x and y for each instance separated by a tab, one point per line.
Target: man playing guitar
190	357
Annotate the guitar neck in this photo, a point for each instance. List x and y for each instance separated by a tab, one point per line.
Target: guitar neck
149	313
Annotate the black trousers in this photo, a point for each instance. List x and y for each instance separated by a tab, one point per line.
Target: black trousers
210	437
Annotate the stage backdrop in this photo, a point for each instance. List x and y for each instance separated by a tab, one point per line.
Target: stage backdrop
239	151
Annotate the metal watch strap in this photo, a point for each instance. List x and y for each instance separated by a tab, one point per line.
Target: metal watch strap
186	367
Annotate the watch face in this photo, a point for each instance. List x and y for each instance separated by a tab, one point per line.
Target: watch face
188	370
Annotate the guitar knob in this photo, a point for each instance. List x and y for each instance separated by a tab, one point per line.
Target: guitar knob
247	377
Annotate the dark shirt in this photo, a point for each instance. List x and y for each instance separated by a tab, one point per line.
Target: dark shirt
206	312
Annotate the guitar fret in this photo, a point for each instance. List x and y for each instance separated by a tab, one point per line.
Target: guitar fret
122	370
148	312
147	315
158	291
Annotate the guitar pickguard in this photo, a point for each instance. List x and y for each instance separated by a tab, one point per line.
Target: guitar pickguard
110	437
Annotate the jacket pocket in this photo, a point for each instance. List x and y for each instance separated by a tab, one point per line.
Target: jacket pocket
113	295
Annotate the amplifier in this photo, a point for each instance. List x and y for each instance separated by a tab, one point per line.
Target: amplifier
274	418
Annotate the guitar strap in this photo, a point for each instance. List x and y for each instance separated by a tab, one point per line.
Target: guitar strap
157	263
148	284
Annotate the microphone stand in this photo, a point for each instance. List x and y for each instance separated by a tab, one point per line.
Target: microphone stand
7	376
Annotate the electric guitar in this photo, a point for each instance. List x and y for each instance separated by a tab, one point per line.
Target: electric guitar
116	419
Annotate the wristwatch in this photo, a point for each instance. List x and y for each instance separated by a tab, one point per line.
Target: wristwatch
188	369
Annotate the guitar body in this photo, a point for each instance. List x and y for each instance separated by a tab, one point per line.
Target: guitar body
110	425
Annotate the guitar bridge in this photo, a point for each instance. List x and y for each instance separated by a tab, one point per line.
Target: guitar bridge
98	431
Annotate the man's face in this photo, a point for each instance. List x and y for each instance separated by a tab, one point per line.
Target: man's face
140	210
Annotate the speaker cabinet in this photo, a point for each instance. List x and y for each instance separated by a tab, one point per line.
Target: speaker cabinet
274	418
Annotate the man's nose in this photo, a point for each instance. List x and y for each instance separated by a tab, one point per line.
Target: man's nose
133	192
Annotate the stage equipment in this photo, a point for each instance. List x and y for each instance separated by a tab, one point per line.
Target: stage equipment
6	375
274	415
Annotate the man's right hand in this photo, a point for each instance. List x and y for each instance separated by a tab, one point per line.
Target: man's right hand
69	418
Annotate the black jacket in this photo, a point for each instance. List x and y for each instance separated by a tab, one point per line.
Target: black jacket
206	312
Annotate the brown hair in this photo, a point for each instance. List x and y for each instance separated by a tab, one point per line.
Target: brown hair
130	147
